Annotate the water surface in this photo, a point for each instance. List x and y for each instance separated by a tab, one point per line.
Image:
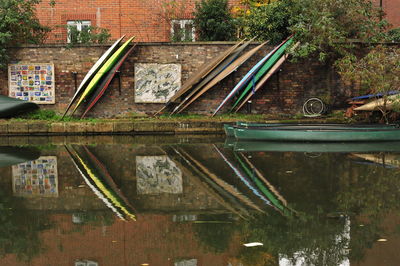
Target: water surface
197	200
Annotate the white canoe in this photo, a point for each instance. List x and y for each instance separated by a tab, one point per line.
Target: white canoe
376	104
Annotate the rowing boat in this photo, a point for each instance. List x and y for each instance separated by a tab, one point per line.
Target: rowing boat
315	132
103	71
229	128
10	107
92	72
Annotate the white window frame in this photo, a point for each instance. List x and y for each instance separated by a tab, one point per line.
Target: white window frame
79	24
182	23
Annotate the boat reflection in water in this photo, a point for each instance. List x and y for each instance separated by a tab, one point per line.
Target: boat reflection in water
198	203
328	147
11	155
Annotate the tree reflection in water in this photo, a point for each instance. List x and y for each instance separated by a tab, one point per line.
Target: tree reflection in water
20	227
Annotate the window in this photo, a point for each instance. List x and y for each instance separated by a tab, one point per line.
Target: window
182	30
76	28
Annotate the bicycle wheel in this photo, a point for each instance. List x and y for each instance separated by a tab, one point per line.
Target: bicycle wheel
313	107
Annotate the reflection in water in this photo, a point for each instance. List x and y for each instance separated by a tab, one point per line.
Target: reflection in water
10	155
37	177
99	180
157	174
199	203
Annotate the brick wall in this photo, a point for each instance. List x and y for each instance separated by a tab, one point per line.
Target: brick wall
284	92
145	19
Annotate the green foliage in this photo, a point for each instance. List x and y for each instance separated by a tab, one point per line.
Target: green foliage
394	35
325	28
41	115
213	21
268	22
87	35
50	115
377	72
19	25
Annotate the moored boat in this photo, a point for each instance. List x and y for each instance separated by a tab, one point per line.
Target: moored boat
319	132
10	107
229	128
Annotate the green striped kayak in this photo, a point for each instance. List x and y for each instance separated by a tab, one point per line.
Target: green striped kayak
263	70
315	132
103	71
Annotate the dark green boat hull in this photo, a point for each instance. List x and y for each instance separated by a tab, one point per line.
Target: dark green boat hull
10	107
320	133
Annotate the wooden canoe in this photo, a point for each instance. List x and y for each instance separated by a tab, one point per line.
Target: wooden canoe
101	88
224	64
103	71
92	72
226	72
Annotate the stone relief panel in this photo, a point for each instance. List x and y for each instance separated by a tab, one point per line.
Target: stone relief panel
156	83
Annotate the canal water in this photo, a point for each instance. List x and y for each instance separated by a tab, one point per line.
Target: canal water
197	200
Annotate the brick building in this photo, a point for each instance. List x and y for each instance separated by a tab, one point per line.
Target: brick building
148	20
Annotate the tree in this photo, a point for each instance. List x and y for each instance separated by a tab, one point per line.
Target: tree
378	72
267	21
213	21
19	25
